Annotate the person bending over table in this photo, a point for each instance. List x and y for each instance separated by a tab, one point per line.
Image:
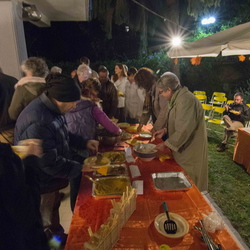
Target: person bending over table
235	115
44	118
185	129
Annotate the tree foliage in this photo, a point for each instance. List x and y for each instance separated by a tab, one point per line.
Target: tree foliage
127	12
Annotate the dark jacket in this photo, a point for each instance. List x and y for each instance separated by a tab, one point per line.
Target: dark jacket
21	222
242	117
41	119
109	96
7	84
81	121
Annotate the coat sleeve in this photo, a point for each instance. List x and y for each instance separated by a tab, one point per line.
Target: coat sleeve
161	121
188	115
102	118
53	163
17	103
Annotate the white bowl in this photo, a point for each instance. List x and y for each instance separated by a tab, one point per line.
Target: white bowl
146	152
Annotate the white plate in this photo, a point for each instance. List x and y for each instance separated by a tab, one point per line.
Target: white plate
145	135
182	225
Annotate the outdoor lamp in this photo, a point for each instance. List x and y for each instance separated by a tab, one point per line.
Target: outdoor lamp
208	20
176	41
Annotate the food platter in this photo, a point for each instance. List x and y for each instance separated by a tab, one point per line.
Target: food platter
116	186
123	125
132	129
145	135
171	181
92	160
133	142
113	170
115	157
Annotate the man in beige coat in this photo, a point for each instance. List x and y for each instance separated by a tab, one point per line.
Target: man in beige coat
185	129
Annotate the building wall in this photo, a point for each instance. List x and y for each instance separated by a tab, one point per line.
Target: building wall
12	40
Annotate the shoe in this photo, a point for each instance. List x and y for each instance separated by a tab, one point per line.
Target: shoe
221	148
234	135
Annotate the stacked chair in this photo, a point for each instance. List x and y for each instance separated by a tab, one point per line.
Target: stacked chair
218	99
216	116
201	95
229	101
207	111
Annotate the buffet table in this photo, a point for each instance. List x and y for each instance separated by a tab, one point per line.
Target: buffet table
139	232
241	149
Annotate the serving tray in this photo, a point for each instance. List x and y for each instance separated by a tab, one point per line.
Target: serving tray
171	181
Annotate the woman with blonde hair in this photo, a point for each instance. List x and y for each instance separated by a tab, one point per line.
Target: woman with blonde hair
120	80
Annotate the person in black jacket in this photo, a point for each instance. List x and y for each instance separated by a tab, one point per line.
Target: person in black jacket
108	93
21	222
235	115
7	89
44	119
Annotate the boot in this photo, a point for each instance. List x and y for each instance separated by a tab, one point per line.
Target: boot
222	148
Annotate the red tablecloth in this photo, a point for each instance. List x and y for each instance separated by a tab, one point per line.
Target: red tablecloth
242	149
139	231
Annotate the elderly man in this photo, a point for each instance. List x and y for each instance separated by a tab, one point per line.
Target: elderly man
185	129
44	119
234	117
83	73
108	93
7	84
84	61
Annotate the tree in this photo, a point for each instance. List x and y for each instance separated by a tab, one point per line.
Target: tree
145	16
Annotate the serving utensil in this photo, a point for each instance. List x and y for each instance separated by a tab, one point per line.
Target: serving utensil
206	238
98	158
106	187
170	226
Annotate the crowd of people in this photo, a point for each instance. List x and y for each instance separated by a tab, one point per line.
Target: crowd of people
56	116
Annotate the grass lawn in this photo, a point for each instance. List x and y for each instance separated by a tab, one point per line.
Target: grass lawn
229	184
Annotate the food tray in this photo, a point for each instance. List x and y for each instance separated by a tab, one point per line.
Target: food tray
119	184
114	170
115	157
171	181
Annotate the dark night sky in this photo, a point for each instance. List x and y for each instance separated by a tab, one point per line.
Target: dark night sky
68	41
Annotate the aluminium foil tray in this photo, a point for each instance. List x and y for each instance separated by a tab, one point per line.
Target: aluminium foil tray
171	181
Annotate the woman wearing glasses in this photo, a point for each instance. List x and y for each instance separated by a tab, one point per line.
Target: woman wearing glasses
185	129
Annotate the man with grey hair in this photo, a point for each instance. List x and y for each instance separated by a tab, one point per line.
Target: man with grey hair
83	73
185	129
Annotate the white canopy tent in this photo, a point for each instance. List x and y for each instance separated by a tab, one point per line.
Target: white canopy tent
233	41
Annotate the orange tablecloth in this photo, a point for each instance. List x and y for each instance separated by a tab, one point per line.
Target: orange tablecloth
242	149
139	232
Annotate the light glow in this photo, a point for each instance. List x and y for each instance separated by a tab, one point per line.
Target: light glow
209	20
176	41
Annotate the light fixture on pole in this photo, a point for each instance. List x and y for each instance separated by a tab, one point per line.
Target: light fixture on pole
209	20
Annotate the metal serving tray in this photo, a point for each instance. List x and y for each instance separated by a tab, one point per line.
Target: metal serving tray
115	157
118	182
171	181
114	170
